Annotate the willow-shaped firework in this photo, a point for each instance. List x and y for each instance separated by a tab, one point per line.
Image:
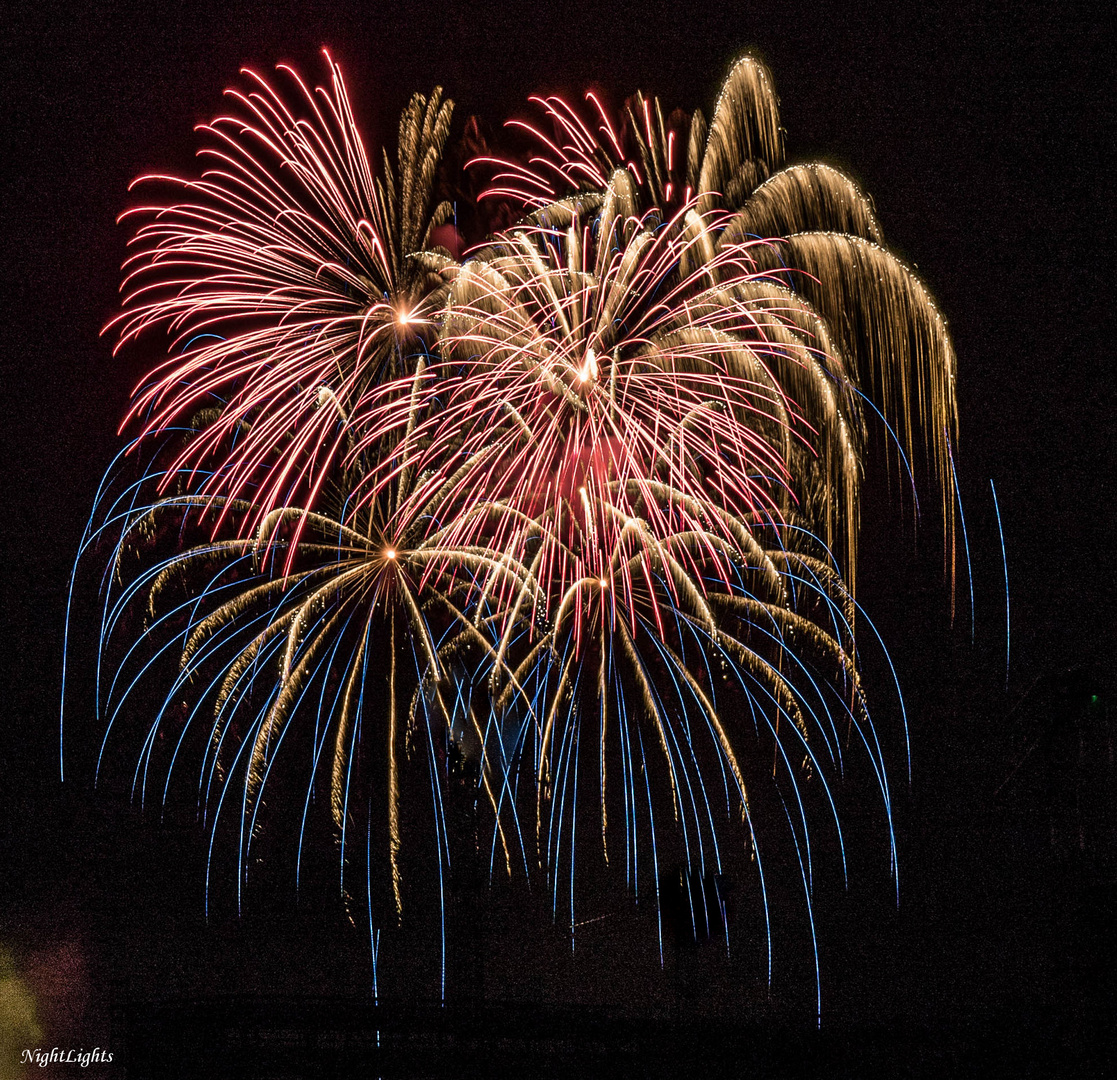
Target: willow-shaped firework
582	500
830	273
284	282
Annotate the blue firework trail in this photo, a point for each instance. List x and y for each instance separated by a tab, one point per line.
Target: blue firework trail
1004	561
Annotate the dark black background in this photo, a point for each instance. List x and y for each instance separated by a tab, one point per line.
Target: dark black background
985	139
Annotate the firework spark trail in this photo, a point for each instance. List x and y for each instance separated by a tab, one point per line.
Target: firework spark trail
586	501
827	252
1004	560
284	280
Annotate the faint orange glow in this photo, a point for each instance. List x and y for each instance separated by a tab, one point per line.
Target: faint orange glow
19	1026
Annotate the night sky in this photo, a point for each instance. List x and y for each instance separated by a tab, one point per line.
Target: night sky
985	140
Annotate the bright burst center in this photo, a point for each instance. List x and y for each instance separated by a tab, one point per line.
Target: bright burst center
589	368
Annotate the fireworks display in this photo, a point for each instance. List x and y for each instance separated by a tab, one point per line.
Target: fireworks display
567	523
